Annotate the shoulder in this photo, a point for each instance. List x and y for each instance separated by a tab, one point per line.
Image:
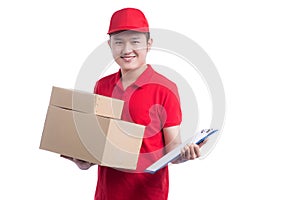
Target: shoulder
163	79
109	79
105	82
164	82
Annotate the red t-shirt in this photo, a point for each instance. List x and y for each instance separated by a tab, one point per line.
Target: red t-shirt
153	101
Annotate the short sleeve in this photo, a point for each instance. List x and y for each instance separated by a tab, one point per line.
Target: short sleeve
171	115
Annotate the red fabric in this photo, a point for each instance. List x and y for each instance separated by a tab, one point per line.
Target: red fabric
152	101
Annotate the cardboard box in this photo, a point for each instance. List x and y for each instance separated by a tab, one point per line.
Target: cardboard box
89	137
87	102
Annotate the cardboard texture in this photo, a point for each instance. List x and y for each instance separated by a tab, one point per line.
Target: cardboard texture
87	102
87	136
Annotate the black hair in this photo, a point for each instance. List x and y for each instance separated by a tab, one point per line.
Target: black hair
147	34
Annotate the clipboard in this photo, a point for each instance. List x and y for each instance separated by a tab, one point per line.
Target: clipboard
175	153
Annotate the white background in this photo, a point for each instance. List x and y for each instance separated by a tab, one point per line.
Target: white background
255	46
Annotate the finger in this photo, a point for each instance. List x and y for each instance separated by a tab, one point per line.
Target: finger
192	152
64	156
79	160
187	152
67	157
82	164
182	152
197	151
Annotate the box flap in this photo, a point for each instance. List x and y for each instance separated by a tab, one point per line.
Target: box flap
71	99
86	102
109	107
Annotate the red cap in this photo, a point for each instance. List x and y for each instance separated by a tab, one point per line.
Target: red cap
128	19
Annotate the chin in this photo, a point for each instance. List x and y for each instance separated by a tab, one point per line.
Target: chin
128	66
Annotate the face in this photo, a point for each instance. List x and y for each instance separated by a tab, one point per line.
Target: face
129	49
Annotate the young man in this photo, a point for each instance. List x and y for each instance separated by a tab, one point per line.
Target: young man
151	100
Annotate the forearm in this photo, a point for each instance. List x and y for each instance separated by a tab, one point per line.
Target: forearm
180	158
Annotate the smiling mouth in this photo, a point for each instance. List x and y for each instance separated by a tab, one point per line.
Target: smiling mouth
127	58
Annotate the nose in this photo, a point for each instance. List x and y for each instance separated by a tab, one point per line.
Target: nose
127	48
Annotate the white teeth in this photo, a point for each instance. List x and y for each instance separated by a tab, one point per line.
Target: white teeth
128	58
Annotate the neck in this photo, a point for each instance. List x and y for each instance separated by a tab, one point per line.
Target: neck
130	76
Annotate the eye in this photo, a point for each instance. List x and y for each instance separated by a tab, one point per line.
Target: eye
118	42
135	42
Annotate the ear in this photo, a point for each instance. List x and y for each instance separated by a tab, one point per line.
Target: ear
149	44
109	43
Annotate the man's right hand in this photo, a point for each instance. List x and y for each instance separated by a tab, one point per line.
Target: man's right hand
80	163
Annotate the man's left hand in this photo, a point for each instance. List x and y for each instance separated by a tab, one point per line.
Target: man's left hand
191	151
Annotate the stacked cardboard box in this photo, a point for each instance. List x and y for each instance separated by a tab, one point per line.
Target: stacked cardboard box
88	127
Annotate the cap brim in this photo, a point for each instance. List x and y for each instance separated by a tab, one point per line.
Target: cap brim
142	30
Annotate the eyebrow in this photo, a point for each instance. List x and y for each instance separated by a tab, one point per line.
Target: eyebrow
135	38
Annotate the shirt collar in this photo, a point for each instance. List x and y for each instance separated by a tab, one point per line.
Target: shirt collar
145	76
141	80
